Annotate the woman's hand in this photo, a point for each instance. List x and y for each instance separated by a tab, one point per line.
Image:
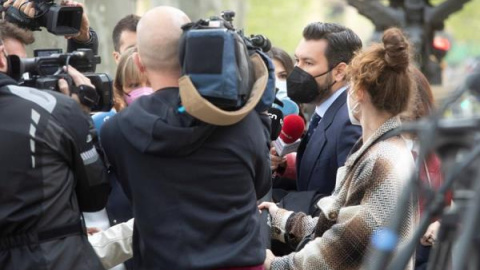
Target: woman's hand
268	260
430	235
276	161
272	207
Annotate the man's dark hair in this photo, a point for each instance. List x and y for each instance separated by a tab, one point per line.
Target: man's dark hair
128	23
342	42
10	30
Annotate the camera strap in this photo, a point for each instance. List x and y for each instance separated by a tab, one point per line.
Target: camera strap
88	95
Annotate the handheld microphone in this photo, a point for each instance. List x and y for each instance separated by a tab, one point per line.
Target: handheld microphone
287	106
289	139
276	117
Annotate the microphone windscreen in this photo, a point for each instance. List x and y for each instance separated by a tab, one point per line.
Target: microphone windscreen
292	130
288	107
276	117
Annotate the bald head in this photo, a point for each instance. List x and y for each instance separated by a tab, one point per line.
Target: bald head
158	35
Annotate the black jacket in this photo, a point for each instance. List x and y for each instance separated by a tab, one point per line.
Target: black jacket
50	173
193	186
73	45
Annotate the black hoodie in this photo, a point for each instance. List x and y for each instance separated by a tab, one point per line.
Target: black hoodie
193	186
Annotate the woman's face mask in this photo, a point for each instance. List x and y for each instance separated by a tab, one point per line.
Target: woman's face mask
136	93
352	110
281	86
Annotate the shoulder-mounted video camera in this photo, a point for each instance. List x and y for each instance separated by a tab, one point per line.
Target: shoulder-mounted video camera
43	72
215	56
59	20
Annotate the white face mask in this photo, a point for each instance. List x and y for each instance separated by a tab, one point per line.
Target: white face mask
281	85
351	111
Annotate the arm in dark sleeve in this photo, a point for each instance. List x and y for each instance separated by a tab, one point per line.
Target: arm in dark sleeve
92	184
108	140
263	173
92	44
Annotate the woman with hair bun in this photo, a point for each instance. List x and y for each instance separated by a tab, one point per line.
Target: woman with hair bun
370	183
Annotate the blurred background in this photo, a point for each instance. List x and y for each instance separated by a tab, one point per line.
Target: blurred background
282	21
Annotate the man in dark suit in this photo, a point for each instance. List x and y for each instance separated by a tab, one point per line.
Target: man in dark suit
320	78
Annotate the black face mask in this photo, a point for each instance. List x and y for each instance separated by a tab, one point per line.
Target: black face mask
302	87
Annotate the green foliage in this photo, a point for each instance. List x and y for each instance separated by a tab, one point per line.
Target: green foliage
282	21
464	27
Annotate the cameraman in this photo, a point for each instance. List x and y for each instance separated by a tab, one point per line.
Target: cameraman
193	186
51	172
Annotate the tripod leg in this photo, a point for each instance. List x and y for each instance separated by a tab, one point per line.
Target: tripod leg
441	253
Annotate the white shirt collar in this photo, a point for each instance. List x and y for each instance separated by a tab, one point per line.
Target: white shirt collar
322	108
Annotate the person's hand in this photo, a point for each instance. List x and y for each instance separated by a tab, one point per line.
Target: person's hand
272	207
93	230
430	235
28	8
78	79
84	34
268	260
276	161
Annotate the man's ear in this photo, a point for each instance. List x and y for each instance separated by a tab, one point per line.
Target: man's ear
138	62
340	72
116	56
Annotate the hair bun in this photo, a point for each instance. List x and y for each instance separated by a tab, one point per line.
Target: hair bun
397	49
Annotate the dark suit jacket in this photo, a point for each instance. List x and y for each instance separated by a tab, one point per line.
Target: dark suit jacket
327	149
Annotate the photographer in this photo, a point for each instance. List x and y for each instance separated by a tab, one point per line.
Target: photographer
51	172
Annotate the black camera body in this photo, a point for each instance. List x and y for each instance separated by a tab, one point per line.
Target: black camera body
43	72
59	20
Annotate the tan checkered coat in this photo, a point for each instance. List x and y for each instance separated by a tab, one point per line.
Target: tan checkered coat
364	199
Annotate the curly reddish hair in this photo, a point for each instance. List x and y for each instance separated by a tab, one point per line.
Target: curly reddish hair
384	70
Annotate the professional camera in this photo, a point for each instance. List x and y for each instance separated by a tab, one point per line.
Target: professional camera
216	58
43	72
252	42
59	20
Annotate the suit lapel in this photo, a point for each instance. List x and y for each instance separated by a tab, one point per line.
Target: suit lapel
314	148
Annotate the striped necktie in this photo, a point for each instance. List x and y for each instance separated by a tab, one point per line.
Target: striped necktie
313	125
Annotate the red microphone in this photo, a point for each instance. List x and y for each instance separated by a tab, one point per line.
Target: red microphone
289	139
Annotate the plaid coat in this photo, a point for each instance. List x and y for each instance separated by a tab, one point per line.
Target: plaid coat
364	199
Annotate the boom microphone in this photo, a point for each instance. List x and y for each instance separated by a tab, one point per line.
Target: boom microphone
289	139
